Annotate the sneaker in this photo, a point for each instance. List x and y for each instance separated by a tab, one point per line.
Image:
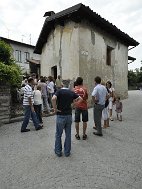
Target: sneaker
77	137
98	134
39	127
84	137
25	130
59	154
95	128
67	155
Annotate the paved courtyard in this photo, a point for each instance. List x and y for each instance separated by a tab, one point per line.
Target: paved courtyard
114	161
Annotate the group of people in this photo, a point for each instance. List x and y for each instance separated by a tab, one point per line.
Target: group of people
103	98
37	95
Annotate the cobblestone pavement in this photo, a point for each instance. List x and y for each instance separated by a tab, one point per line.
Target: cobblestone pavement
114	161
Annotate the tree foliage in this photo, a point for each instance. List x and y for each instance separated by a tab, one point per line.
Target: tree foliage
10	73
5	53
135	77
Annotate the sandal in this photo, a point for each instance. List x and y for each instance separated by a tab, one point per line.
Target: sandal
77	137
84	137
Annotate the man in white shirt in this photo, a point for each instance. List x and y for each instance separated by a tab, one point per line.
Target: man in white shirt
99	96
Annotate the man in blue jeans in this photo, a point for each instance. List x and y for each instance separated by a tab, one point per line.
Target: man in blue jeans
29	108
61	102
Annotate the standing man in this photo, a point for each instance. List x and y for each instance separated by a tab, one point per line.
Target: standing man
29	108
99	96
58	83
61	102
81	108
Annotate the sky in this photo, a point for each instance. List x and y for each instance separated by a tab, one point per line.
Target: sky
23	20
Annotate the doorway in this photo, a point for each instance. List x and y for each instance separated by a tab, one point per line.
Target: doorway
54	72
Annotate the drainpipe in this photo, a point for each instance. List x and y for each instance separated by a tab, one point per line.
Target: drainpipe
60	53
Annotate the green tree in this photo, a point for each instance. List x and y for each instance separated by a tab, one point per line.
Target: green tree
132	78
5	53
10	73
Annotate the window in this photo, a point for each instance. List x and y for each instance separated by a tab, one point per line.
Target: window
108	56
18	56
26	56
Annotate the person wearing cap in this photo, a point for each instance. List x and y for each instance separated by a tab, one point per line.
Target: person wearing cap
61	101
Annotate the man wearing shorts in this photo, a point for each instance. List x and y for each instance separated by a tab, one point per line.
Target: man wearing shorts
81	108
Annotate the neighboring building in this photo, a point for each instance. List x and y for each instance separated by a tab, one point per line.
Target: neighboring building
24	56
78	42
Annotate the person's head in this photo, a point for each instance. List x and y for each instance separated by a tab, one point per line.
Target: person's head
108	84
23	85
117	98
50	78
103	83
31	81
66	83
33	75
40	77
43	80
59	77
97	80
39	87
79	81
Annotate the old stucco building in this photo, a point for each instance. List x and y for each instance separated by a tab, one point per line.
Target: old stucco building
78	42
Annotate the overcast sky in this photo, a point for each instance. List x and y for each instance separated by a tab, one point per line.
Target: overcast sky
23	20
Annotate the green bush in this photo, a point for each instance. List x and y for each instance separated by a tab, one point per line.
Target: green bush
10	74
5	53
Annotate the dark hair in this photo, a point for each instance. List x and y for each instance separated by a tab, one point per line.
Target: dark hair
66	83
50	78
98	79
79	81
39	87
33	74
42	80
23	85
118	97
108	82
30	79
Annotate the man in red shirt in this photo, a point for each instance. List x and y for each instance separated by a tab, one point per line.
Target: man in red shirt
81	107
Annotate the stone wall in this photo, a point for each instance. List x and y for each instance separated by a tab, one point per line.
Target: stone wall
5	99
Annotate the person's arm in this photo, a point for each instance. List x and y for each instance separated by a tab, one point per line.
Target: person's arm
94	96
78	99
54	104
121	106
30	103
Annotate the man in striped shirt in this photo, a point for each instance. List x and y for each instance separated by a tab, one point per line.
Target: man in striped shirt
29	108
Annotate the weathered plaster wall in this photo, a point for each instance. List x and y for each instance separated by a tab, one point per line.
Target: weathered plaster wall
92	59
62	50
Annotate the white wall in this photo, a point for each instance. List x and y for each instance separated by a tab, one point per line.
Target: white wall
23	64
62	50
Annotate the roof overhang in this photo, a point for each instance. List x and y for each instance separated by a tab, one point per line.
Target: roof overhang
132	59
78	13
33	61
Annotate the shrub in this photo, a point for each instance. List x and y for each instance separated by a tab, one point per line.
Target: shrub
10	74
5	53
